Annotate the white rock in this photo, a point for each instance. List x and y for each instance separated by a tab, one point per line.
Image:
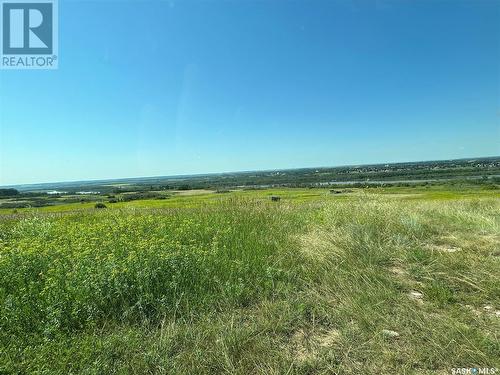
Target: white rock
389	333
416	294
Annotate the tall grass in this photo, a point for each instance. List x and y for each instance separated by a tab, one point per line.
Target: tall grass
248	286
73	271
368	256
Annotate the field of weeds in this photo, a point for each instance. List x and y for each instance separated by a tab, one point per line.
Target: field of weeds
372	284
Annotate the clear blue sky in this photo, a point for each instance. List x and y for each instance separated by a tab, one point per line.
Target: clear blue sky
150	88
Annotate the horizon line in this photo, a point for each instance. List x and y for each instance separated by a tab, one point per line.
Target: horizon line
240	171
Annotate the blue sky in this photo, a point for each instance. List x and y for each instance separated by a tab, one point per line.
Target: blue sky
149	88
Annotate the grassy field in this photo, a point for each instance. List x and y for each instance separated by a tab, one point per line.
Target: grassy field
369	281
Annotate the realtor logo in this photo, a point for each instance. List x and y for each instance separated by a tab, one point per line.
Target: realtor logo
28	34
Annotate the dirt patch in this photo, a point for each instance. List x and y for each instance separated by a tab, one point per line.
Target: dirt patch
455	242
398	271
306	344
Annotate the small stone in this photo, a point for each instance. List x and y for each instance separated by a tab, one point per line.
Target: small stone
389	333
488	308
451	249
416	295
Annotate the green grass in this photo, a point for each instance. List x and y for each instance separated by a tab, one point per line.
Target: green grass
195	198
233	283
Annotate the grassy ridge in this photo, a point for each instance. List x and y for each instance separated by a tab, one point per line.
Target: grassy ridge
367	284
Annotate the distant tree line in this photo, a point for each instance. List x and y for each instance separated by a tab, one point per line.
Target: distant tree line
7	193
